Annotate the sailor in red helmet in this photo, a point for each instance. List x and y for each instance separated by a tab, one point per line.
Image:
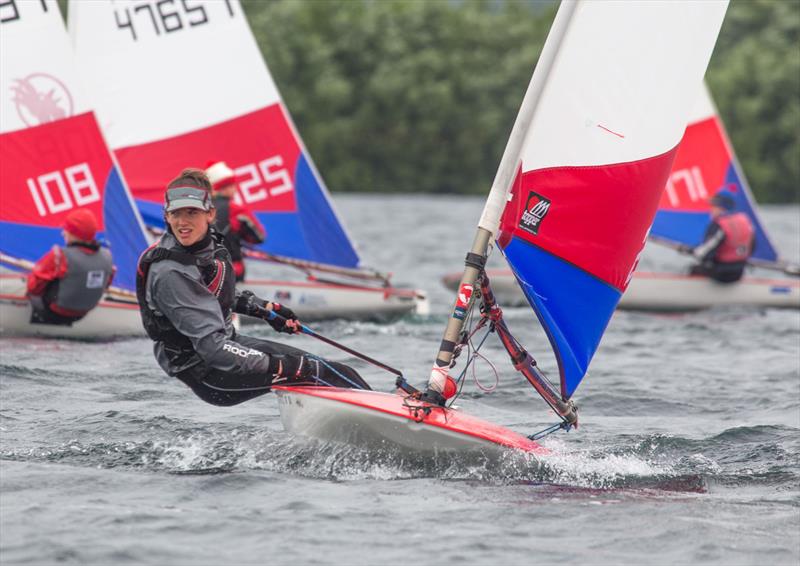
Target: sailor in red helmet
69	281
234	221
728	242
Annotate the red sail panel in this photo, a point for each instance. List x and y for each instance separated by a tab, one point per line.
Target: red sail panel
595	218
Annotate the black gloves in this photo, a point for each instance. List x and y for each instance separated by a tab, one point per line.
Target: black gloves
248	304
285	314
291	368
248	231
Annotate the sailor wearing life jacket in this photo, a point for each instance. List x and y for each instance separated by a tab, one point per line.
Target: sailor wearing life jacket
69	281
728	241
234	221
185	286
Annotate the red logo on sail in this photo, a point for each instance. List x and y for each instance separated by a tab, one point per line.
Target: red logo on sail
535	210
41	98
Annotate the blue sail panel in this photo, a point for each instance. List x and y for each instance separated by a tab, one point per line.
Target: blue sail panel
313	233
27	241
152	213
573	306
685	227
123	232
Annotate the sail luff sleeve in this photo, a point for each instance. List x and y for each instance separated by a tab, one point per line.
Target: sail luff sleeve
595	161
496	202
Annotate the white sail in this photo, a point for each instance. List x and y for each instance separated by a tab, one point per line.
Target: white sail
180	84
54	157
609	104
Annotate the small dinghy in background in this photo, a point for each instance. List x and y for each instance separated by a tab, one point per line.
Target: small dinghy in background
669	292
705	161
54	160
573	154
191	87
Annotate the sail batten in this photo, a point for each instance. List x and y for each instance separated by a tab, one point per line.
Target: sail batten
597	152
498	194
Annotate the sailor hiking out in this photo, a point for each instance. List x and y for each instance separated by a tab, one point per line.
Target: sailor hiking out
728	242
186	288
69	281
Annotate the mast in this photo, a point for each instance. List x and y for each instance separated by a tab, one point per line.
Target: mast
593	144
490	218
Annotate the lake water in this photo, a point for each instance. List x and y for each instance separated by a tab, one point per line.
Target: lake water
688	451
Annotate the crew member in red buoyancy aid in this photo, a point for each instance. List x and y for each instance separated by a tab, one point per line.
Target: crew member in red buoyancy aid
727	244
186	290
234	221
69	281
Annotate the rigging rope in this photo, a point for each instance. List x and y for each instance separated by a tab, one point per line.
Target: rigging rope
550	430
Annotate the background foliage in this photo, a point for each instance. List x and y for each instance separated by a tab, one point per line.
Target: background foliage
420	95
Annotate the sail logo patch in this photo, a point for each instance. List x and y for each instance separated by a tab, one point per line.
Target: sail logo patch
535	210
41	98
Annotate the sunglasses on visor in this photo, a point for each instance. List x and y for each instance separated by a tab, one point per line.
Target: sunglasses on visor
187	197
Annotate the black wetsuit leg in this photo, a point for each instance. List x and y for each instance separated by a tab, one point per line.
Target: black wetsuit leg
41	314
335	374
720	272
225	389
727	272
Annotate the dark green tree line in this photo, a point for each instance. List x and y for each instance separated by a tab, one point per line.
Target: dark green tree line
399	95
420	95
415	95
755	78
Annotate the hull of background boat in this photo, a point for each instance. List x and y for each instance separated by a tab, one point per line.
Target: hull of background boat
108	320
314	301
671	292
668	292
375	420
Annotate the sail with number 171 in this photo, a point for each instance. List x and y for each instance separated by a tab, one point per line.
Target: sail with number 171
704	164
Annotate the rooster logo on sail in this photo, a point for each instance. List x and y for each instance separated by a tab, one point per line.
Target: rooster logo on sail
536	209
41	98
